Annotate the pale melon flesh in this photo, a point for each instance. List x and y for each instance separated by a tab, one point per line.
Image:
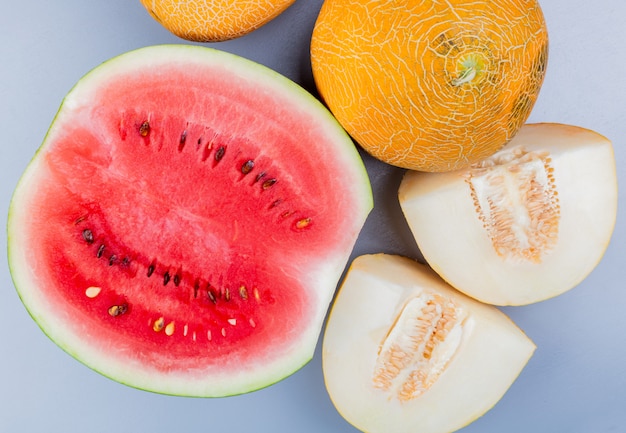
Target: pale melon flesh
404	352
525	225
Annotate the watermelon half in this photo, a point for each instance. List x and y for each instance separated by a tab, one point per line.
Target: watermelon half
183	227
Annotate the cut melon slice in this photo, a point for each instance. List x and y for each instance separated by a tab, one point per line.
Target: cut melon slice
184	225
404	352
524	225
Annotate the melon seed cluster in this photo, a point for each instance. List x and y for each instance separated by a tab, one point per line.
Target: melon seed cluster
417	348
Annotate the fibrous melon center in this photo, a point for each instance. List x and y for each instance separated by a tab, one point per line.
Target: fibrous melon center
516	199
418	346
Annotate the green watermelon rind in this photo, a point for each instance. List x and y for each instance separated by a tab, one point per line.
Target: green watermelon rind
273	81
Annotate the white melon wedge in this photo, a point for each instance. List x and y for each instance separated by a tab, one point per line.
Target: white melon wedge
524	225
403	352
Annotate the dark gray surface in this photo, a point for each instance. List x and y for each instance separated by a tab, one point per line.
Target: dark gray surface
576	382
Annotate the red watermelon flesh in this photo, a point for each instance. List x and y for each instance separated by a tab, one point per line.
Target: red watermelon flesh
183	227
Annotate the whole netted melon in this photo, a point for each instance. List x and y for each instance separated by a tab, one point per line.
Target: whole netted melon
430	86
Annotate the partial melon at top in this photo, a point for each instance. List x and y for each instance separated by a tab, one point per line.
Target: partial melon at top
430	86
527	224
185	222
214	20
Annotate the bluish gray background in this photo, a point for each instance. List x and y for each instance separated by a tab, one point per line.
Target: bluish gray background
575	383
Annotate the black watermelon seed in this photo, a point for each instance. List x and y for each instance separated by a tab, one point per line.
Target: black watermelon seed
88	236
144	129
219	154
247	166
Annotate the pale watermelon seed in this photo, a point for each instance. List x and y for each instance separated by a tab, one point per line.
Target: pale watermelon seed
169	329
93	291
300	224
211	296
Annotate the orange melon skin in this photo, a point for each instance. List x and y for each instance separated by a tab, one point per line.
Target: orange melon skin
430	85
214	20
